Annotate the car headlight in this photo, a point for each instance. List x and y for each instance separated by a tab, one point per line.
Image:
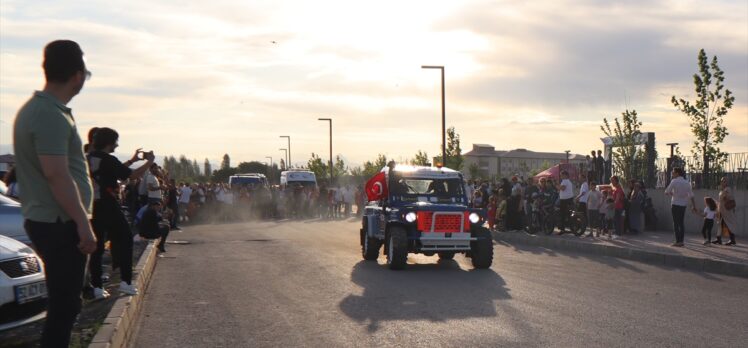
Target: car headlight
410	217
474	218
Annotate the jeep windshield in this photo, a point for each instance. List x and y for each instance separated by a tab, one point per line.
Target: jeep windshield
407	189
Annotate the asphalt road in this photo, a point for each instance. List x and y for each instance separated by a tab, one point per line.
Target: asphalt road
304	284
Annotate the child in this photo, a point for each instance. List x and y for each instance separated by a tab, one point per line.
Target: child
709	211
607	209
501	211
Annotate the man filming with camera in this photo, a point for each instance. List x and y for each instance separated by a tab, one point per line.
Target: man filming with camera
108	220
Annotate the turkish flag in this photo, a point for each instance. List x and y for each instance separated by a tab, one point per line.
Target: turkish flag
376	187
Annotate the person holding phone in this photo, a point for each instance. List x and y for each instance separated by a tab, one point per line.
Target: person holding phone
108	220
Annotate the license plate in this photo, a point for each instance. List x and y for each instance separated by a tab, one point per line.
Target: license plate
30	292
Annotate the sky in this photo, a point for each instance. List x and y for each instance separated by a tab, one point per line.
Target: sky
204	78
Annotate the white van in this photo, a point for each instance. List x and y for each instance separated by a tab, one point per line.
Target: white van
292	177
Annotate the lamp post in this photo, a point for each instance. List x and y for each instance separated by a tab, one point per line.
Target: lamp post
285	151
444	129
288	159
331	170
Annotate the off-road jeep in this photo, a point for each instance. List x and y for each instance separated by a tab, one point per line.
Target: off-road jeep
425	211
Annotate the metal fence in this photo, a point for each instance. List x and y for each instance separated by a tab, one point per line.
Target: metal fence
734	167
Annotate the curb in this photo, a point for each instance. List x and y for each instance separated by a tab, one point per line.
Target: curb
119	325
650	257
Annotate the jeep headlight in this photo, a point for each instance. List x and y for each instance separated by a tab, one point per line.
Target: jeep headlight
410	217
474	218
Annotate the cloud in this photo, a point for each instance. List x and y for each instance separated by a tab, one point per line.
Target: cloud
205	78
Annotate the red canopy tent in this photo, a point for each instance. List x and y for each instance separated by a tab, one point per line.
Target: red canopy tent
555	172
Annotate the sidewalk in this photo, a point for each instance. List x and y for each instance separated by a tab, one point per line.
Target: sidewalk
648	247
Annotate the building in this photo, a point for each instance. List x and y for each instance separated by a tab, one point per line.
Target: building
485	162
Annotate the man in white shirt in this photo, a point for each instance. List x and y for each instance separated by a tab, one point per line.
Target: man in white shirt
338	201
566	198
582	196
348	199
681	193
469	189
184	200
153	185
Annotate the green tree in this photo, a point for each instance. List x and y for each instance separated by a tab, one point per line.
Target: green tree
195	167
454	152
340	170
372	168
206	168
223	174
251	167
421	159
624	136
712	103
316	165
474	171
226	162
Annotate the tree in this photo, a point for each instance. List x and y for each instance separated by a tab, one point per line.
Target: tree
706	113
226	162
206	168
318	166
223	174
372	168
474	171
454	152
339	169
421	159
195	167
624	138
251	167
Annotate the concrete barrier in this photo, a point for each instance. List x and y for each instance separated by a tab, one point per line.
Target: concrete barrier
119	325
693	222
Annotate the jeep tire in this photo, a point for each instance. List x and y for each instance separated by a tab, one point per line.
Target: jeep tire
482	249
397	248
370	248
446	255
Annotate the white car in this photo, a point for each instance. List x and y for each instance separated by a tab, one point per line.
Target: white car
23	290
11	220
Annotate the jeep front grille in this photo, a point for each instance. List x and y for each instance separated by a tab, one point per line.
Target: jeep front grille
444	223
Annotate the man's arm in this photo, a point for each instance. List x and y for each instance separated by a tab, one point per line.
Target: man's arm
65	192
669	189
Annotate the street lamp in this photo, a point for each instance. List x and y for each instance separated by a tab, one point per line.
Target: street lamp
288	159
285	151
444	129
329	120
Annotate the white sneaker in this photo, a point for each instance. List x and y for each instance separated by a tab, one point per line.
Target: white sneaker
100	294
614	237
128	289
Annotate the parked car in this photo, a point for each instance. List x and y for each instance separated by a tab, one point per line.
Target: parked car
23	290
425	211
11	220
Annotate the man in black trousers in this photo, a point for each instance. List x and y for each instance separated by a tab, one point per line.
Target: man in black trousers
57	193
